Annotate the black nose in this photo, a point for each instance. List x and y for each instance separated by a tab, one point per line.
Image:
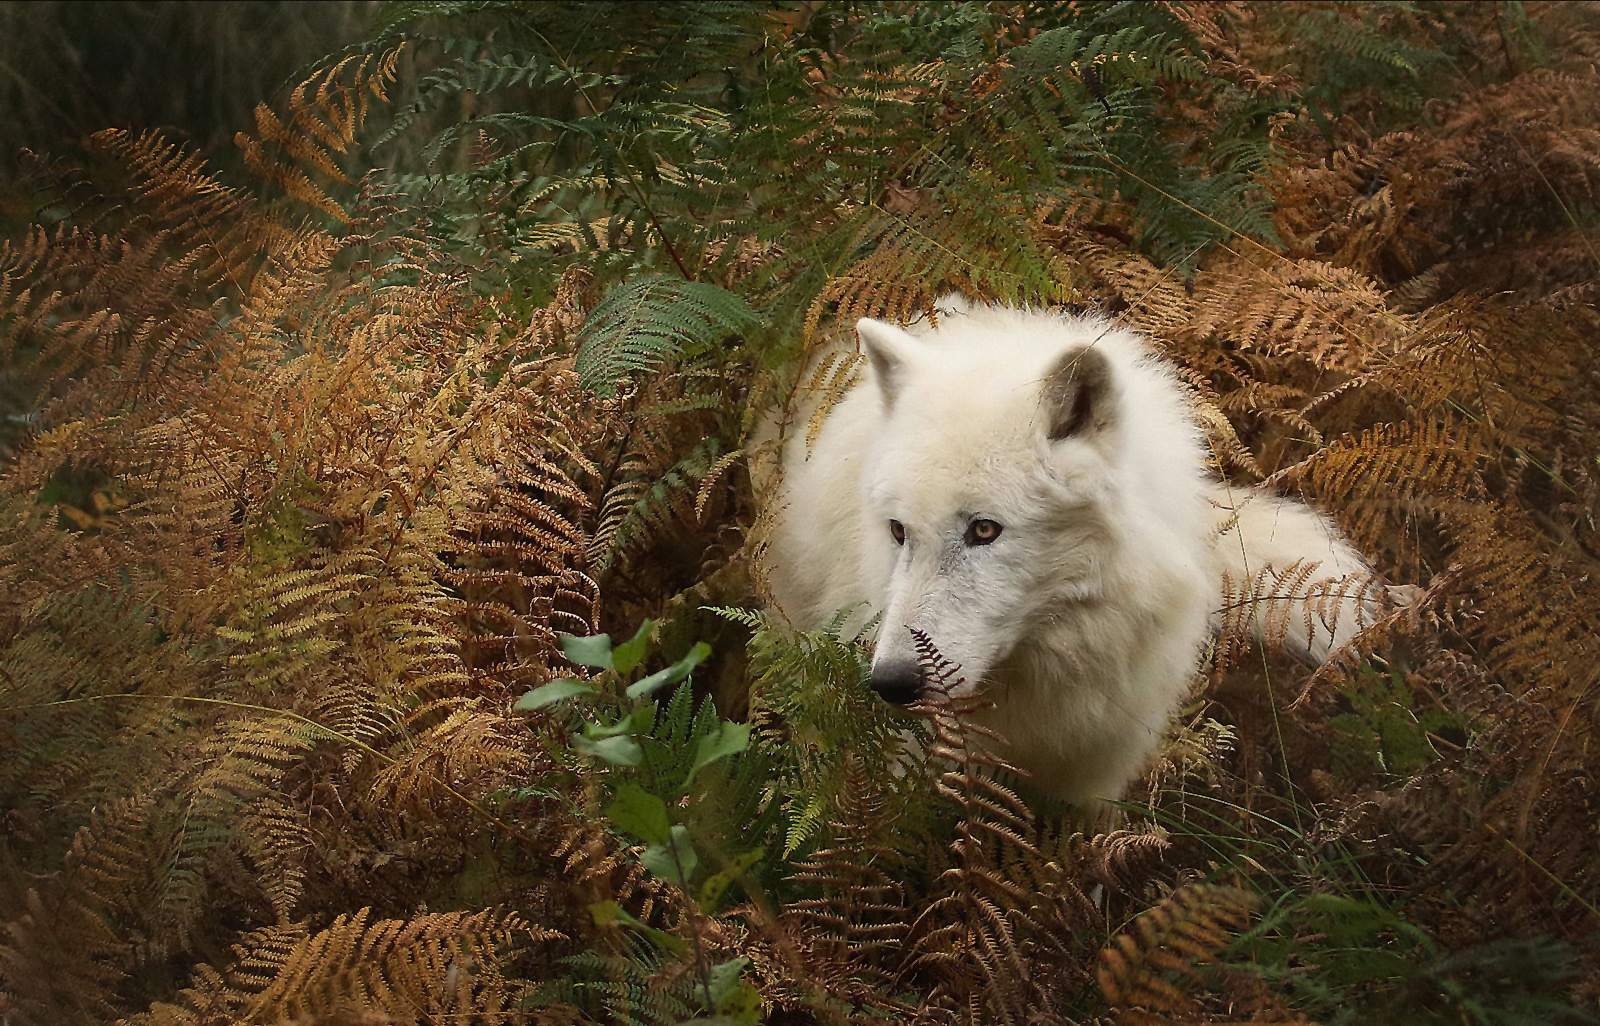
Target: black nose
897	682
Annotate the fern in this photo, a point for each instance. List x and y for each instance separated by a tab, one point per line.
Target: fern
1146	973
648	320
629	989
310	477
445	964
809	692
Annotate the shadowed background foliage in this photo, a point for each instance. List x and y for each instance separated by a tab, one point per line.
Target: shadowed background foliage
193	70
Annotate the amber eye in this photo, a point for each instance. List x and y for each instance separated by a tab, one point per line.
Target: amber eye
898	529
982	532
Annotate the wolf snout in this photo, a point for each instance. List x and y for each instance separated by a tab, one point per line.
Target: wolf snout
897	681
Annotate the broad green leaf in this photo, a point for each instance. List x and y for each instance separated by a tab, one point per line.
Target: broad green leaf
724	740
672	674
723	983
594	650
741	1005
609	913
621	750
627	655
641	814
555	691
674	861
717	884
639	721
645	685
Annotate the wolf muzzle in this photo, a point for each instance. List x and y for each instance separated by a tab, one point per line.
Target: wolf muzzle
899	682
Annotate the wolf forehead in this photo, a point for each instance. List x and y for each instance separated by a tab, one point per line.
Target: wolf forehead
990	365
983	394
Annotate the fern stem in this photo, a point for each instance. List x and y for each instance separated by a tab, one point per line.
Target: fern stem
662	232
1564	887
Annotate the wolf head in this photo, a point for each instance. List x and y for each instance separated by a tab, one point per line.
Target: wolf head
986	494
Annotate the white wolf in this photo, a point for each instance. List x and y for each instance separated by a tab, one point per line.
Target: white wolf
1030	490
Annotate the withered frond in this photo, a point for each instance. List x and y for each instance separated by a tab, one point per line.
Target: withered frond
1004	930
324	115
404	971
1163	969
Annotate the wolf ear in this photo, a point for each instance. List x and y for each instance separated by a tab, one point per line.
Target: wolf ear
1078	394
889	349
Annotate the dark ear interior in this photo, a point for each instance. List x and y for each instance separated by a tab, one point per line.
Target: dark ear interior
1077	395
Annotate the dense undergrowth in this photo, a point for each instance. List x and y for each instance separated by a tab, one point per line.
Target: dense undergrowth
332	479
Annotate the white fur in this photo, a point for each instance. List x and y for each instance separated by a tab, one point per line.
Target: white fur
1087	615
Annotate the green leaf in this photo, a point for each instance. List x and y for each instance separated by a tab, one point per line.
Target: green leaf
641	814
627	655
724	979
742	1005
645	685
609	913
549	694
594	650
732	999
674	861
724	740
717	884
672	674
621	750
638	721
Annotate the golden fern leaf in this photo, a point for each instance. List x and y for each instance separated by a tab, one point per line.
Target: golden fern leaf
1150	298
1120	859
1392	470
327	475
442	965
236	801
1151	972
325	113
451	745
603	871
862	911
1336	319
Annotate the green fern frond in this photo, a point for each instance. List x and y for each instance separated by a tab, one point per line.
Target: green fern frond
642	323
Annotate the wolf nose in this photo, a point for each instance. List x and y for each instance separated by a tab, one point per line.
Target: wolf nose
897	682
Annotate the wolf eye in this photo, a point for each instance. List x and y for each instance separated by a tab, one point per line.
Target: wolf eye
982	532
898	529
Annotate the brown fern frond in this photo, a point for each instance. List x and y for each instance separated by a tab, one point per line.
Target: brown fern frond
1004	932
1286	605
344	509
444	965
451	743
1392	469
325	113
1159	970
1121	859
1306	309
863	907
